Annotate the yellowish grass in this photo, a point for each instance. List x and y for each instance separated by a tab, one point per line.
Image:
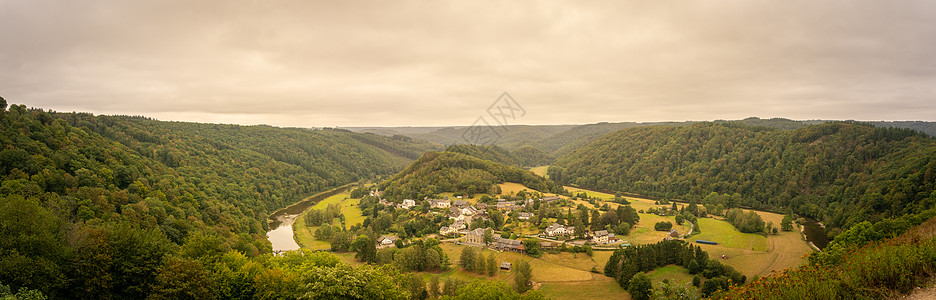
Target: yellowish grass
727	235
541	171
512	188
672	272
305	236
600	288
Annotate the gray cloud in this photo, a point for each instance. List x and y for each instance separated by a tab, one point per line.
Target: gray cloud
305	63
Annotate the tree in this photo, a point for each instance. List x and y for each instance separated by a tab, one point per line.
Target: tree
434	286
532	247
448	288
596	220
622	229
366	248
467	261
640	286
663	226
491	265
522	275
694	267
770	228
713	285
680	219
3	104
488	236
579	228
416	286
183	278
696	280
480	263
498	219
787	223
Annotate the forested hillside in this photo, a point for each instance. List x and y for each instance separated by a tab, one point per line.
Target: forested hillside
526	156
438	172
486	152
841	173
558	140
105	206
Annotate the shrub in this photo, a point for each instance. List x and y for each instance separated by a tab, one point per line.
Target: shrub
663	226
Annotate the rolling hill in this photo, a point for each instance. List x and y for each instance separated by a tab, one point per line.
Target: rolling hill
841	173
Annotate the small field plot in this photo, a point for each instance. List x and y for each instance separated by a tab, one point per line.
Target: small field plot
672	272
541	171
513	188
305	236
599	195
644	233
727	235
600	288
349	207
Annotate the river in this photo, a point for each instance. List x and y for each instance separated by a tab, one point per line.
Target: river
815	233
281	235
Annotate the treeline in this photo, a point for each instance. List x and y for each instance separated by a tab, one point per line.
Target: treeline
748	222
625	264
418	256
438	172
473	260
841	173
102	206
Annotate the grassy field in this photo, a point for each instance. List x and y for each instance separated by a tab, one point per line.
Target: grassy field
729	236
603	288
305	235
561	274
349	207
643	232
541	171
771	253
672	272
512	188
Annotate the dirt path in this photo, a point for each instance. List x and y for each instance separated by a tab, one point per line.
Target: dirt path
926	292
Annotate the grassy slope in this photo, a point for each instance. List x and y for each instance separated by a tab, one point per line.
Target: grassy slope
564	276
541	171
513	188
727	235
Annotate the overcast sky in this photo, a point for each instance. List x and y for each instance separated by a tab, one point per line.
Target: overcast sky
396	63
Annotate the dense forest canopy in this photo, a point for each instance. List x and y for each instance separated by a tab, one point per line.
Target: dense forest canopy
486	152
526	156
99	205
842	173
439	172
558	140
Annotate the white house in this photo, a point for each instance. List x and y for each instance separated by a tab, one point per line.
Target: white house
458	225
439	203
555	229
446	230
387	240
408	203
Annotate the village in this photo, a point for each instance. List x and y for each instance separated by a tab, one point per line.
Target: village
560	233
540	228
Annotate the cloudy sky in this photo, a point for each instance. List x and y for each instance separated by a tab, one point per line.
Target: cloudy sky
420	63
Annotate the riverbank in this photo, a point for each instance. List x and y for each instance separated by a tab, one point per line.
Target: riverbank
280	223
